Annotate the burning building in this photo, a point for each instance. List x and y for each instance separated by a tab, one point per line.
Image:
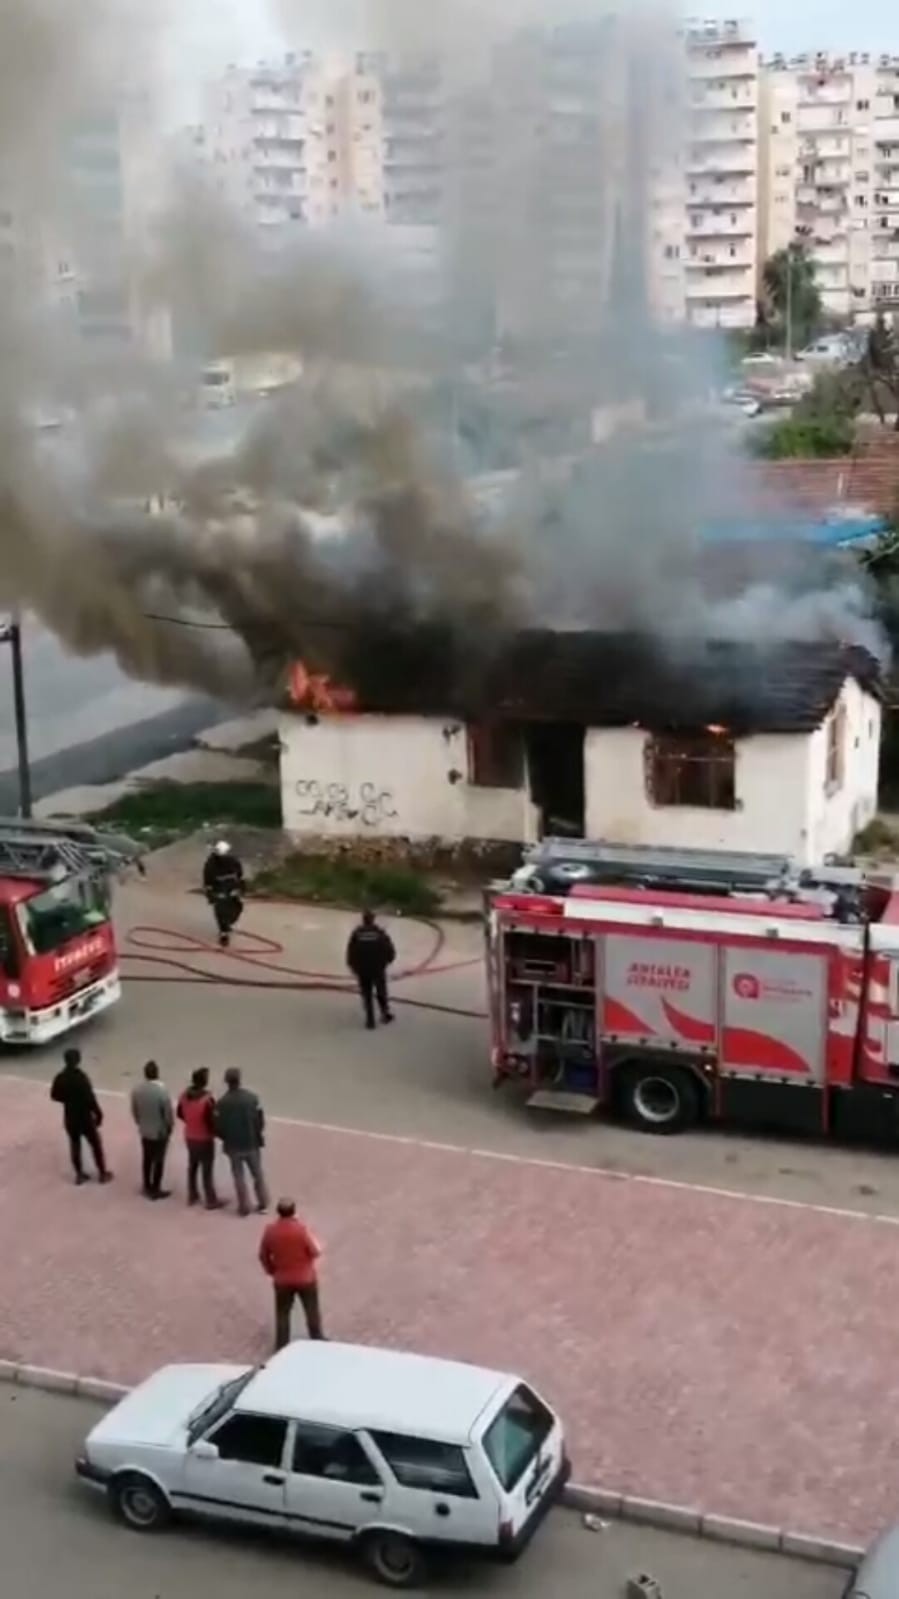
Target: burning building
627	738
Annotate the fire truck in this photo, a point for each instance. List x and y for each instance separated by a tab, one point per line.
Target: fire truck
674	987
58	963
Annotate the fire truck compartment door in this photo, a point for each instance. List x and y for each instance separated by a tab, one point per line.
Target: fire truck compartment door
774	1014
660	988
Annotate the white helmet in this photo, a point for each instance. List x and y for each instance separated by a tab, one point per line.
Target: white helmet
223	847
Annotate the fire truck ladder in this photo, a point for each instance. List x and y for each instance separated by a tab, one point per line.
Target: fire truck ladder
703	871
47	852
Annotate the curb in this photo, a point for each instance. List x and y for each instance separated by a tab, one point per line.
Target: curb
720	1529
592	1501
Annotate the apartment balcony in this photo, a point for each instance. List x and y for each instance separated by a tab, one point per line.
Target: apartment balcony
886	130
719	191
715	266
720	228
743	99
279	153
705	131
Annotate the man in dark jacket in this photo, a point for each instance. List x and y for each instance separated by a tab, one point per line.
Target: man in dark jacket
240	1124
81	1115
223	884
368	954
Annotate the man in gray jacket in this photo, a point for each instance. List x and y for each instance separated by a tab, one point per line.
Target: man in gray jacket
240	1124
154	1118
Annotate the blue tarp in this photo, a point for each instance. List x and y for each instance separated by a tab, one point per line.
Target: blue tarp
834	531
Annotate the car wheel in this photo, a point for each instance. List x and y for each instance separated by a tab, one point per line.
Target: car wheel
396	1561
138	1502
660	1099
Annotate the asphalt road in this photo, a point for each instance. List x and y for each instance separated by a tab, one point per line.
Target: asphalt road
58	1537
87	721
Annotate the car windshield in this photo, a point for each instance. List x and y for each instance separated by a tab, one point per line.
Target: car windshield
74	906
514	1438
217	1405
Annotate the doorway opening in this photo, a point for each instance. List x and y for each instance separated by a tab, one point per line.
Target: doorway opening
555	752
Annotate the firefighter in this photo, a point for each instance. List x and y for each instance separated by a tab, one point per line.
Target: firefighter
223	882
368	954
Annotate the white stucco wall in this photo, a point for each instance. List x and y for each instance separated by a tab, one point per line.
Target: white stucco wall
771	789
836	817
391	777
782	800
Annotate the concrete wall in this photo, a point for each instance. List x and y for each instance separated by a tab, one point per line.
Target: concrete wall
397	776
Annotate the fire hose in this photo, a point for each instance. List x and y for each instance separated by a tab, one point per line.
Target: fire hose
166	947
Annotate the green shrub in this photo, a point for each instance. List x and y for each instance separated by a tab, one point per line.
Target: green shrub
349	883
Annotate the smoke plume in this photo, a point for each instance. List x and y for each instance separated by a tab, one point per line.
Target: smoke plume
338	519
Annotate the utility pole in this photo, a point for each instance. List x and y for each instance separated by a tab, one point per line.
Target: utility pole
789	320
11	634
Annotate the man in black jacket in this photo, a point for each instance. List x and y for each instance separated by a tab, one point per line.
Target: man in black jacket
223	883
81	1114
368	954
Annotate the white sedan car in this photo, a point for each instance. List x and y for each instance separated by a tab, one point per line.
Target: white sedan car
395	1454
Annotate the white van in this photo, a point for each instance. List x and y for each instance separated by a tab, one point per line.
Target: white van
396	1454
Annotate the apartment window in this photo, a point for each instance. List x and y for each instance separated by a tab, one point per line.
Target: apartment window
691	769
495	755
332	155
836	739
862	177
672	251
365	97
862	105
861	199
785	117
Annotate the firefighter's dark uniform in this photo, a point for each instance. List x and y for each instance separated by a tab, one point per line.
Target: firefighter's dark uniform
368	954
223	881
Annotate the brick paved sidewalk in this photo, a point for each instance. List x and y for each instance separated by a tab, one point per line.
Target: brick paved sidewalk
721	1352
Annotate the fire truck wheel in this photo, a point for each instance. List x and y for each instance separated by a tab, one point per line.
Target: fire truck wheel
659	1099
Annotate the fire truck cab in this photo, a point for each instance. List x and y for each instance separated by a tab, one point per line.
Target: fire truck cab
58	963
680	986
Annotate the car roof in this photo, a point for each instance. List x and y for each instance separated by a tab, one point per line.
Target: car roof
353	1386
878	1575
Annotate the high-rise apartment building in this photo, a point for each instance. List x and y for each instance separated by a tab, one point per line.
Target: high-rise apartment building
294	142
829	155
720	175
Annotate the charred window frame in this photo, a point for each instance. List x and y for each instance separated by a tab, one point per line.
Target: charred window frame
692	769
836	750
495	755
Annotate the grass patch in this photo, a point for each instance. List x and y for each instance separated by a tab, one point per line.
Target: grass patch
167	810
350	884
876	837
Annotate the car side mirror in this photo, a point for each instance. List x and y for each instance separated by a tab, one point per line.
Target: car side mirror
203	1450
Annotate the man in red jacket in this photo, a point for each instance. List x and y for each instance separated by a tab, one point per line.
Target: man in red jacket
196	1109
288	1255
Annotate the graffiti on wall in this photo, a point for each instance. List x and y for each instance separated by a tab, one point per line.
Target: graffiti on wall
364	803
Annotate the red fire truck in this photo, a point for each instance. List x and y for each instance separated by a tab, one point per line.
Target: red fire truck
58	963
679	986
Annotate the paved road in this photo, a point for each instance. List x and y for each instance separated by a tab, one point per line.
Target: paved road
87	721
58	1538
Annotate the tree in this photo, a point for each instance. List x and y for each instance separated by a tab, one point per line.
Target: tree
880	365
791	301
821	424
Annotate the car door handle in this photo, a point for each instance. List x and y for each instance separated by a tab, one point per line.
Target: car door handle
371	1498
275	1479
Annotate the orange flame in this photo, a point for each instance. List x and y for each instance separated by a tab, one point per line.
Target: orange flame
314	691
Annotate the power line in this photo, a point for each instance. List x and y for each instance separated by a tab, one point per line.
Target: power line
228	627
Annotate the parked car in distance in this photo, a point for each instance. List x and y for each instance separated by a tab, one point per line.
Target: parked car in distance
398	1455
878	1575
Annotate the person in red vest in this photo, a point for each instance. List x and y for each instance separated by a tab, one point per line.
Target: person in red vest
289	1255
196	1109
